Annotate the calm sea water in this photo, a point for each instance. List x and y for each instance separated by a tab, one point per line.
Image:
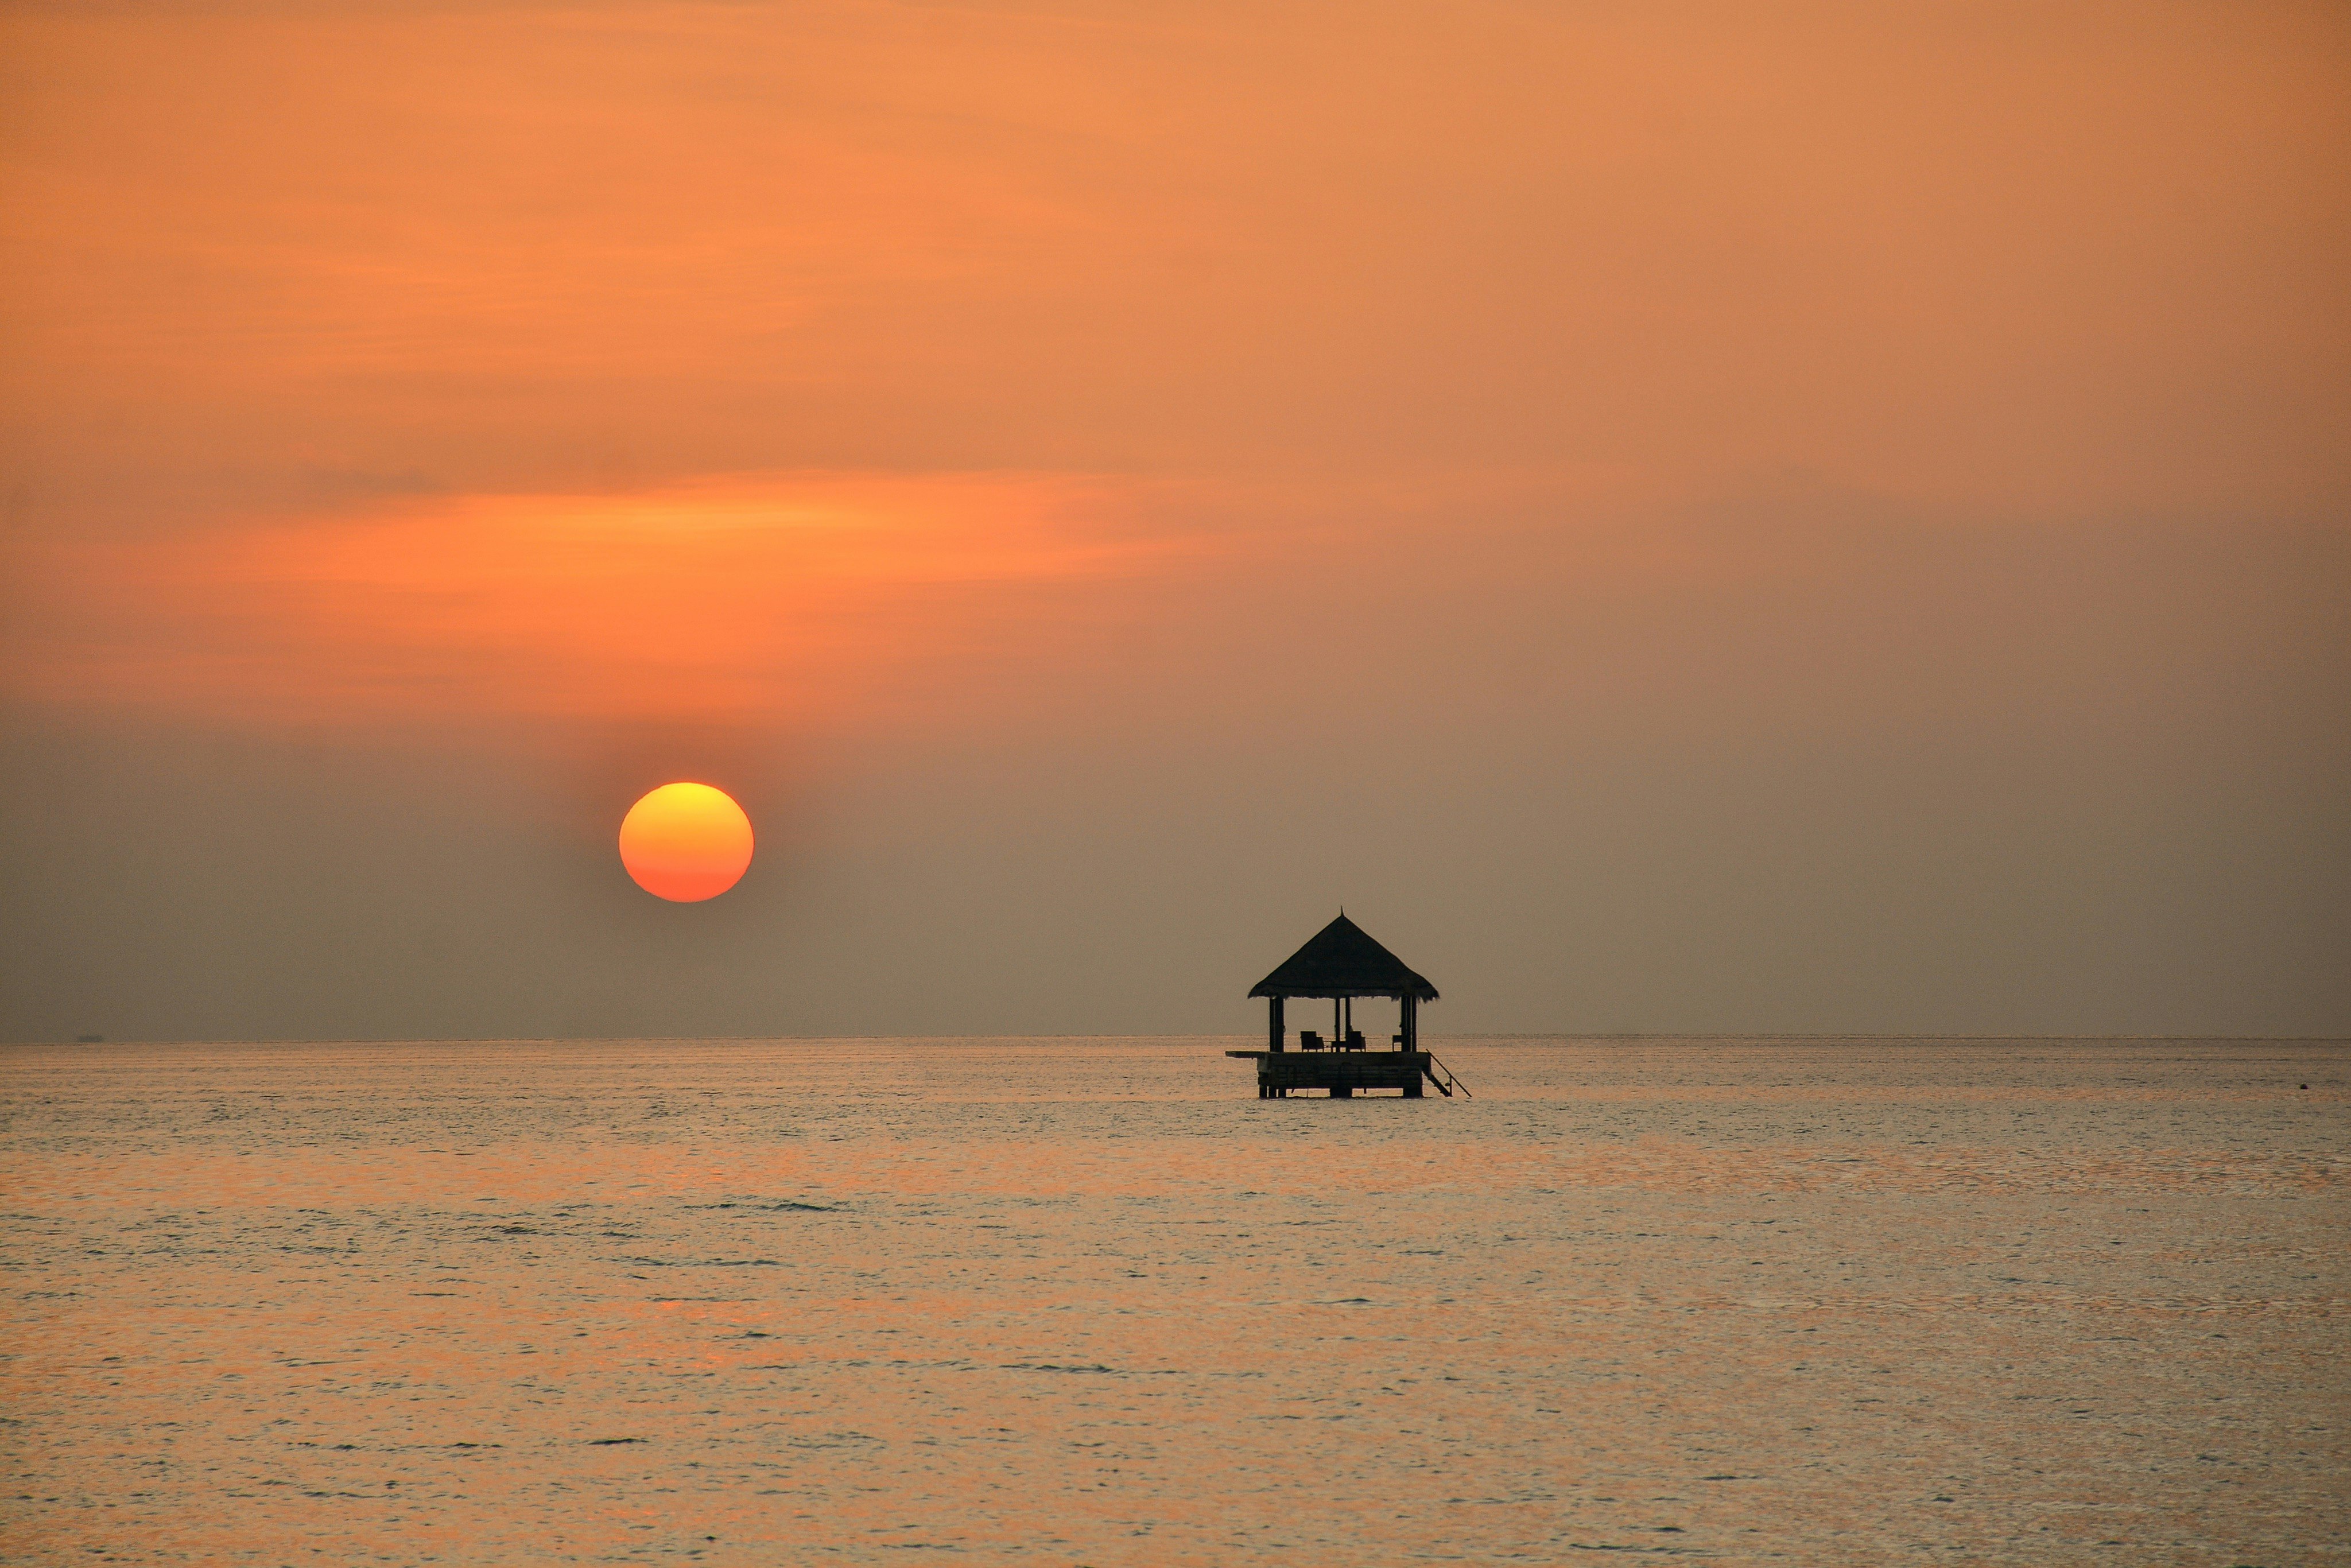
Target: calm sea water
1070	1301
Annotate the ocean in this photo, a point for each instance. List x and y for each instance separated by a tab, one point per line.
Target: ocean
1091	1301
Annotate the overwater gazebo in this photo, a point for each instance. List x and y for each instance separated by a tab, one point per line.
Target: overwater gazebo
1341	962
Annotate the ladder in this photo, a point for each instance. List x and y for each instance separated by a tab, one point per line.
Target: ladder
1448	1084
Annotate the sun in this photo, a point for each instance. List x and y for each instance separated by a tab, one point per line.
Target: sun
685	843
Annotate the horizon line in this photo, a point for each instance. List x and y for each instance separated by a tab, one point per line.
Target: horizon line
1901	1035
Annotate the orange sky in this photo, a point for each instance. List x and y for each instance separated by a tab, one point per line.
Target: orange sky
1580	426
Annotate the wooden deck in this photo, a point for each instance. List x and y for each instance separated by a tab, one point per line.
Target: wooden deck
1342	1073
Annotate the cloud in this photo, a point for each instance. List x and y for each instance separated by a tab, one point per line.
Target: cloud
775	599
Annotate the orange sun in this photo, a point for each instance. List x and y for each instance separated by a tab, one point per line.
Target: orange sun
685	843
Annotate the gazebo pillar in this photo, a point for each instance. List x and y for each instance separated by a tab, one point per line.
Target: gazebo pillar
1273	1030
1411	1021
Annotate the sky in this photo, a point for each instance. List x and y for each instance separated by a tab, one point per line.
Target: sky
1678	516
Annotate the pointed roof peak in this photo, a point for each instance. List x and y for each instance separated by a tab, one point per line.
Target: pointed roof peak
1342	960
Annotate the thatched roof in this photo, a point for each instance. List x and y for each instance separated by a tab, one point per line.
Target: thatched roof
1341	961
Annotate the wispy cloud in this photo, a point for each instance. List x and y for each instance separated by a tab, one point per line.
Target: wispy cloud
774	597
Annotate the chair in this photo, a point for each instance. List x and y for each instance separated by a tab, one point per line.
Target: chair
1309	1040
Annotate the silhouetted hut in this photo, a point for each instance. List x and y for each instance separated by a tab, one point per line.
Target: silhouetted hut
1343	963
